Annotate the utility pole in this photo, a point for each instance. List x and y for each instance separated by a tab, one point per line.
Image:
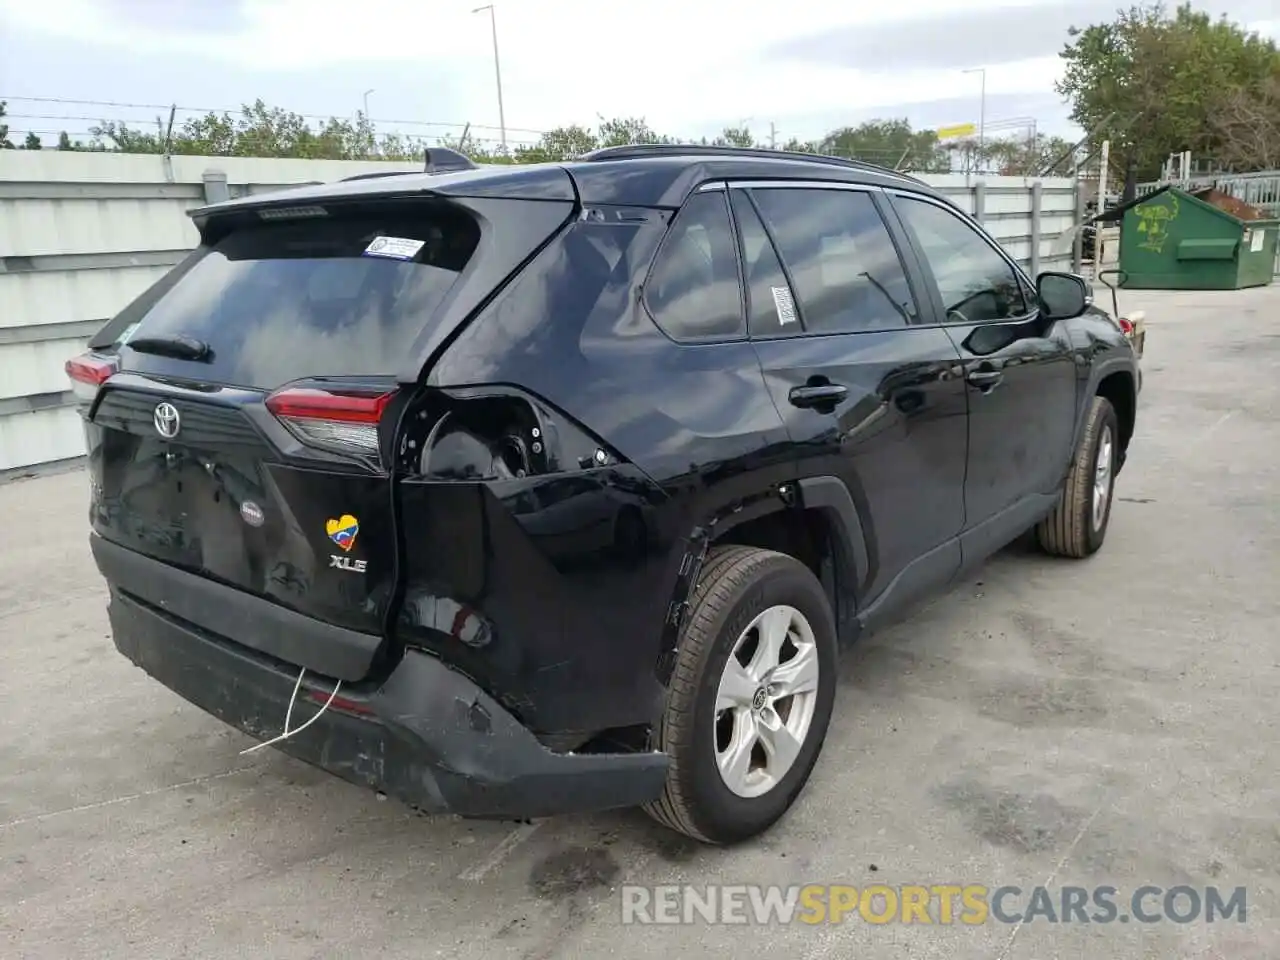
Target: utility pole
982	112
773	135
497	69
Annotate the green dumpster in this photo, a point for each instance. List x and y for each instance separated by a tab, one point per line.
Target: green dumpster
1203	240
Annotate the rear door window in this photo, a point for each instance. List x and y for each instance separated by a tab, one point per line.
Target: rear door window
693	291
841	258
770	305
342	295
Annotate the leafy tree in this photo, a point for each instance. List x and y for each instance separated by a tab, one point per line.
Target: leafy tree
890	143
66	143
260	131
735	137
621	131
795	145
1151	82
562	143
1023	157
264	131
1246	125
32	142
5	142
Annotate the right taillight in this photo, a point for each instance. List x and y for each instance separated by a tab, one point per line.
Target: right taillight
1125	325
345	421
88	372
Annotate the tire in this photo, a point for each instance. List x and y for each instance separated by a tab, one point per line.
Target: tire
1074	528
741	591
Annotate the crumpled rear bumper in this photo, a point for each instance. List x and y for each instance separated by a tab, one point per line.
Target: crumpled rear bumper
427	735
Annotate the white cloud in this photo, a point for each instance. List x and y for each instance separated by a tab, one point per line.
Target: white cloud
688	66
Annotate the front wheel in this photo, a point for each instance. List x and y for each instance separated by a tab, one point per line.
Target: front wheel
1078	524
750	697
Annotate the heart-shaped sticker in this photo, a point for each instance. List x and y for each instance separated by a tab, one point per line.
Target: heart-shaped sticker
343	530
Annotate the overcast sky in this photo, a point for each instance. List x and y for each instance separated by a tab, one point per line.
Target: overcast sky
689	66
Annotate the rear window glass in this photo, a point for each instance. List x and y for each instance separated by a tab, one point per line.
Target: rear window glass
330	296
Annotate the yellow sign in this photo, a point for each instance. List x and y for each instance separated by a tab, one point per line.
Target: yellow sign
957	130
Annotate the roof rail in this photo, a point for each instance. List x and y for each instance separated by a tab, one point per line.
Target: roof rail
636	151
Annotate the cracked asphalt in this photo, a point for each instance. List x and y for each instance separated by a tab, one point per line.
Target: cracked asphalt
1112	721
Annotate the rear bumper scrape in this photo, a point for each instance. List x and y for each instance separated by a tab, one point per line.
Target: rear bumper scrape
427	735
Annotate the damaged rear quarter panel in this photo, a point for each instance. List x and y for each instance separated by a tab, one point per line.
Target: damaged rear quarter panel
577	629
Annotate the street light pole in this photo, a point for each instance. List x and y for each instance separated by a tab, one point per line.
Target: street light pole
982	111
366	105
497	70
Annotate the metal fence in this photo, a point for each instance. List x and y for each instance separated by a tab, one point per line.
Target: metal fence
82	234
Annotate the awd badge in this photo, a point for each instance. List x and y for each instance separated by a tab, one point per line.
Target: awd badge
343	532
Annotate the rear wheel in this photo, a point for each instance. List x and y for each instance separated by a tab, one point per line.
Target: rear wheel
750	697
1078	524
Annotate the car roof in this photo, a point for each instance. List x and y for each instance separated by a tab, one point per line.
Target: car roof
659	175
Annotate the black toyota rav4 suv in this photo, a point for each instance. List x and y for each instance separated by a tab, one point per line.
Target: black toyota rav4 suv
519	491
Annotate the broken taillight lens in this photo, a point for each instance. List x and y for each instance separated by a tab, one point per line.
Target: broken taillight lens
88	372
342	420
1126	326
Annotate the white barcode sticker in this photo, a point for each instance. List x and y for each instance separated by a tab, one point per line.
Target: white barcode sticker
396	248
784	305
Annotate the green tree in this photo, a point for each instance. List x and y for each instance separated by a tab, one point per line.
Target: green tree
1246	125
66	143
735	137
890	143
562	143
32	142
265	131
5	142
121	138
1027	156
1151	81
622	131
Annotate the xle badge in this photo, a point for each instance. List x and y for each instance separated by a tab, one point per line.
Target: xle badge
346	563
343	532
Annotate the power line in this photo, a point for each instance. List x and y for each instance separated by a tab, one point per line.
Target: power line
236	111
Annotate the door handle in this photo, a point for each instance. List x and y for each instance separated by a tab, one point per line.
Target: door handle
984	379
817	395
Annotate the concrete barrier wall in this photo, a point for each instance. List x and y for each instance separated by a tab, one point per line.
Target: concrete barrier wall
82	234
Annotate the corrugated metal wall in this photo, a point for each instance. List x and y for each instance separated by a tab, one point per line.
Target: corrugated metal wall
83	234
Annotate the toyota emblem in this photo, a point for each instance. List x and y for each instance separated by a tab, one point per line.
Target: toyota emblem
166	420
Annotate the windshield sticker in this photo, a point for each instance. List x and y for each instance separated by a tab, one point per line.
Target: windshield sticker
784	305
395	248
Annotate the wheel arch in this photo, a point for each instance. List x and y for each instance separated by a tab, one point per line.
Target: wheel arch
1120	388
813	519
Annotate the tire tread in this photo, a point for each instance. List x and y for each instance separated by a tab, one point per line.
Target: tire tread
1065	531
726	570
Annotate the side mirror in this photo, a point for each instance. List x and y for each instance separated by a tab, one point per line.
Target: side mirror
1062	295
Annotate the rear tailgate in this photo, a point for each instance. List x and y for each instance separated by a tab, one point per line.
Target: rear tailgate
239	440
